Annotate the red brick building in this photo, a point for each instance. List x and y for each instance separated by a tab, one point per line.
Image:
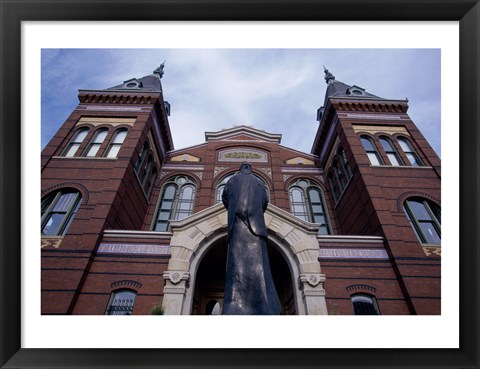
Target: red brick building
128	222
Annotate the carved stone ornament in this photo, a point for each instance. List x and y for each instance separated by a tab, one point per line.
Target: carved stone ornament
176	277
164	173
312	279
267	171
217	170
286	177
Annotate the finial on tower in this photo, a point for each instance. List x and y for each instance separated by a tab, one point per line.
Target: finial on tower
328	76
159	70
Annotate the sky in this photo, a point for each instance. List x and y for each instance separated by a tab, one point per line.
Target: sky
276	90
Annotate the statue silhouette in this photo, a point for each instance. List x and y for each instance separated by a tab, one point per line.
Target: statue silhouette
249	287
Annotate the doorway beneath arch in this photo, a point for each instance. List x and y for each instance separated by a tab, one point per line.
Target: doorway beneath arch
210	280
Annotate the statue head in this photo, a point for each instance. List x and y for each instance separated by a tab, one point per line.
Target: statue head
246	168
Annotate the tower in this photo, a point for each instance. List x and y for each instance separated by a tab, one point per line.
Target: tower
98	173
385	181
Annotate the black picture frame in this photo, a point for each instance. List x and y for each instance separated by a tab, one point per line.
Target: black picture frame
467	12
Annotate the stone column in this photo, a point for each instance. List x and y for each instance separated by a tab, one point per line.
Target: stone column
313	293
176	284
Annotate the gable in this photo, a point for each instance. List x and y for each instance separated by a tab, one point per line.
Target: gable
243	133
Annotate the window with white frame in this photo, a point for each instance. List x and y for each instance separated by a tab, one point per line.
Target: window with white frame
425	219
177	201
372	151
95	143
306	203
391	151
116	143
75	142
342	156
410	152
141	157
58	210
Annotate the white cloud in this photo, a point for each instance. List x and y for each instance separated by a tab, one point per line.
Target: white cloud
278	90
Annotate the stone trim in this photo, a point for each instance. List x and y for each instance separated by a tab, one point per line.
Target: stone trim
125	283
51	242
96	121
358	288
81	188
404	196
432	250
353	254
125	248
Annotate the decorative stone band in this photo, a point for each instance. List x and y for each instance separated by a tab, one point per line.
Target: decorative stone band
375	129
353	254
373	116
95	121
126	248
111	108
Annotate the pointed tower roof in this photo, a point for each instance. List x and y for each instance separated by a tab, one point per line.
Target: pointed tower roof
339	89
150	83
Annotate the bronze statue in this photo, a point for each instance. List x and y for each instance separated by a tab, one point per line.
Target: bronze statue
249	287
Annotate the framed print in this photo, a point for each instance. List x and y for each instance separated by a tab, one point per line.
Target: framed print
67	326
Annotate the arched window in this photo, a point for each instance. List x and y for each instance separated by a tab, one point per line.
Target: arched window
425	219
75	142
344	162
341	180
371	149
409	151
121	302
364	304
223	182
58	210
221	186
141	157
116	143
306	202
146	172
391	152
177	201
151	182
333	185
95	142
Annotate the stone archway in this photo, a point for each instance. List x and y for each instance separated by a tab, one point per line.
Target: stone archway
293	238
209	286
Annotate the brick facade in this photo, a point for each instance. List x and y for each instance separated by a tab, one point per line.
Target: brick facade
112	245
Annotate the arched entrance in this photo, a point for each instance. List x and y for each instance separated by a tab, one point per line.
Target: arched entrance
196	271
210	280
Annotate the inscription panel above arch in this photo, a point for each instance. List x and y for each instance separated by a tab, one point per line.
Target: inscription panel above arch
241	154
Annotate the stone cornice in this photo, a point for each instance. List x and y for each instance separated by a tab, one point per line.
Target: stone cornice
225	134
118	97
369	105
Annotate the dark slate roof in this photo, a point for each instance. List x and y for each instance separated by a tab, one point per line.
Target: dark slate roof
150	83
339	89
